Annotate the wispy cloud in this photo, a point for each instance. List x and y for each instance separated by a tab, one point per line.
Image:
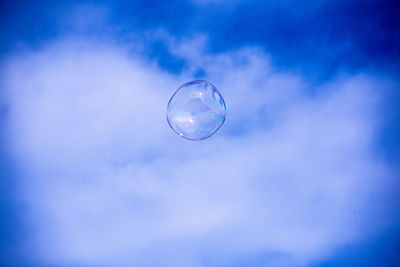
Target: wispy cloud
291	174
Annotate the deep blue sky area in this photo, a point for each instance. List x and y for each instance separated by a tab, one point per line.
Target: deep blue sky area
328	36
319	40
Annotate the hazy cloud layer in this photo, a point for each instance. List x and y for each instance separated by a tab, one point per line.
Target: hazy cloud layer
292	174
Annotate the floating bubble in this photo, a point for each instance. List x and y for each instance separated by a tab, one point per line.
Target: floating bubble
196	110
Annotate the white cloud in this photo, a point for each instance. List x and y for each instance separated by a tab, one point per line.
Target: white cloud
107	182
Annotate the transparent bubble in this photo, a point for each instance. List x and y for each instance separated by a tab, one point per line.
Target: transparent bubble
196	110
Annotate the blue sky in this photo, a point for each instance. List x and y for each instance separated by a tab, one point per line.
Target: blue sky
304	172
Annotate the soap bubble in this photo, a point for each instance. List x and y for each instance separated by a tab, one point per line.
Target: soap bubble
196	110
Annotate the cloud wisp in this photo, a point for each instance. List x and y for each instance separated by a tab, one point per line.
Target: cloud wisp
290	174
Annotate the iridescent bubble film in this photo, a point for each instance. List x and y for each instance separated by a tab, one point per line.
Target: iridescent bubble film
196	110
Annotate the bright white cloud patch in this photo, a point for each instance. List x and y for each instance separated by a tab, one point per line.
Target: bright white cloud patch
290	174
